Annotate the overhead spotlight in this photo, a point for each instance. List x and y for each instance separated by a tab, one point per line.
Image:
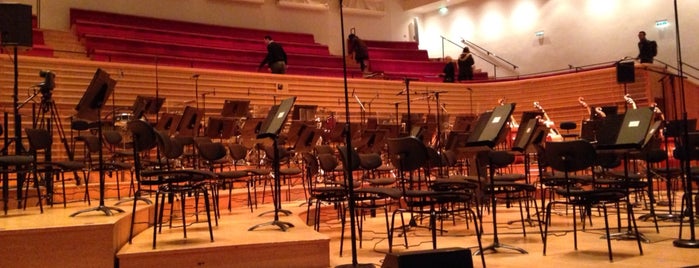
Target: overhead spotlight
443	10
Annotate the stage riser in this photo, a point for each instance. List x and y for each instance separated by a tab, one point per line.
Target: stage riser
283	254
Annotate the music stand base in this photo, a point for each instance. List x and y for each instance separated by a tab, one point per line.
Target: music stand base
135	199
494	247
283	211
686	243
359	265
282	225
107	210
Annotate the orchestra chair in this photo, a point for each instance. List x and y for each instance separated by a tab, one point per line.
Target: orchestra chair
507	187
323	187
568	157
121	152
41	140
21	166
113	166
373	168
290	170
170	182
213	155
179	182
568	126
237	153
409	155
366	198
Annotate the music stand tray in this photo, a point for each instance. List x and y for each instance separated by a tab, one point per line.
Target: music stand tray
235	108
90	107
190	122
221	127
270	129
146	105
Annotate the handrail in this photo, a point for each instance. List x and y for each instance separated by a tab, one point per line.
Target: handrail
672	67
495	66
488	52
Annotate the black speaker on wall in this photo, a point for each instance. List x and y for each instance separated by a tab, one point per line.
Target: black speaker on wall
15	25
447	257
625	72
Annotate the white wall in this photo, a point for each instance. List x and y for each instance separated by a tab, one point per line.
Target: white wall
576	32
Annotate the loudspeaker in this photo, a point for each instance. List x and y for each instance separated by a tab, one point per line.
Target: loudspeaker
447	257
625	72
16	25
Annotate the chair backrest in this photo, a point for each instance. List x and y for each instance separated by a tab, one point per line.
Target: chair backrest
570	156
407	153
212	151
237	151
112	137
39	139
327	162
370	161
143	135
170	148
343	156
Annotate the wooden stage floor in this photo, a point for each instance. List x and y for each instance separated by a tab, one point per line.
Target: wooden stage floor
53	239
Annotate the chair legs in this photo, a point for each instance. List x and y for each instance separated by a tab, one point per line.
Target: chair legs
172	193
604	206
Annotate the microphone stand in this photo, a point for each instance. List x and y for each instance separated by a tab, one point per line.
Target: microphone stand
348	145
692	241
362	111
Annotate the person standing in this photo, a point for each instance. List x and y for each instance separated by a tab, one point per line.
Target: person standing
466	65
647	49
276	57
358	48
449	70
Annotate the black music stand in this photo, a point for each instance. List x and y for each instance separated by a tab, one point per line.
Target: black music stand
146	105
235	108
632	136
190	122
221	128
90	107
488	132
307	139
270	130
168	122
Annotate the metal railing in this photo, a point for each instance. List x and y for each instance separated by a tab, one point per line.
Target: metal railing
488	53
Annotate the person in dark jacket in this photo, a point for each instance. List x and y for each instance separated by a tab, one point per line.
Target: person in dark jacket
449	70
466	65
276	57
358	49
647	49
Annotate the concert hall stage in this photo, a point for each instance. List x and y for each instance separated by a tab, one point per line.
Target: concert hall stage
54	239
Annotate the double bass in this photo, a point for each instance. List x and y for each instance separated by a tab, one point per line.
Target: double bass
554	135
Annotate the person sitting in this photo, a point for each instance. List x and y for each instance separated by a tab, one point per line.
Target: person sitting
449	70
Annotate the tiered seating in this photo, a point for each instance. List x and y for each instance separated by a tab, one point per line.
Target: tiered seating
404	59
125	38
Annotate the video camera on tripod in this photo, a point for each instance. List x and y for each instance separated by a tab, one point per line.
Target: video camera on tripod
48	85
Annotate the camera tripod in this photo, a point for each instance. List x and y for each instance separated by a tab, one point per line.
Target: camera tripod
47	118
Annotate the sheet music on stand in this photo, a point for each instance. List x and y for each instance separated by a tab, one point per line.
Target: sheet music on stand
632	132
